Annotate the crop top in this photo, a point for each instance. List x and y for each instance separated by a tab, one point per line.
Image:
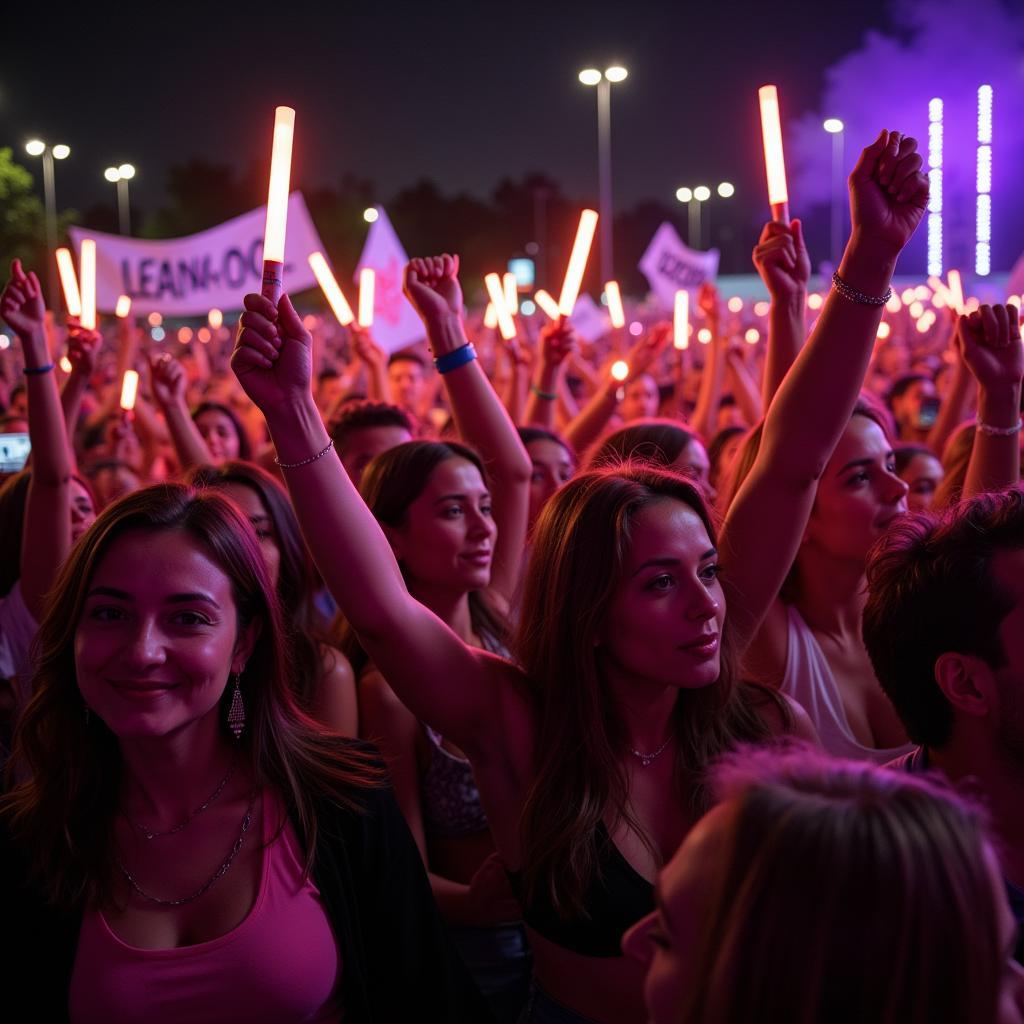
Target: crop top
448	793
616	899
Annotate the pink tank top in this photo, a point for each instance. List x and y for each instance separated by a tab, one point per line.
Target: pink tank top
280	965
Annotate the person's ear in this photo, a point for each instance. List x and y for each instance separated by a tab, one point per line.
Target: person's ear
245	645
966	682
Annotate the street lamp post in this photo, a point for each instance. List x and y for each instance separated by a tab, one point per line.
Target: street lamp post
120	176
835	128
603	81
36	147
692	198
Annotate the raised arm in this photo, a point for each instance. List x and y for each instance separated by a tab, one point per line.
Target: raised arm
169	384
375	361
713	374
557	341
990	342
46	534
781	259
814	403
432	286
439	678
742	385
83	347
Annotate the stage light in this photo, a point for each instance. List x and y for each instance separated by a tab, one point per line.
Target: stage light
935	131
983	212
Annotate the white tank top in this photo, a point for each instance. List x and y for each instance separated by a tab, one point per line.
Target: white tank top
809	681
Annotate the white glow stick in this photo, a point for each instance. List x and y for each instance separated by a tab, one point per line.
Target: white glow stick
956	291
129	389
506	325
367	283
69	282
277	204
774	160
490	317
87	276
547	304
124	306
215	318
620	369
577	262
511	291
681	326
614	297
329	286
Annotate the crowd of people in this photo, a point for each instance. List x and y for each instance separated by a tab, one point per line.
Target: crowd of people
475	683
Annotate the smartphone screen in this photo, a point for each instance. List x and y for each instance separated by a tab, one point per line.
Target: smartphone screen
14	450
929	411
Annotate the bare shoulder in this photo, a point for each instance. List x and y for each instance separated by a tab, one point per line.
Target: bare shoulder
783	715
334	663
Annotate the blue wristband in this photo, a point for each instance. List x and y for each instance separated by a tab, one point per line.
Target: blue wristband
31	371
456	358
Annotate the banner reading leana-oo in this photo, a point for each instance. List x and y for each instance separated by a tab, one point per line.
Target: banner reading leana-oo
192	275
669	265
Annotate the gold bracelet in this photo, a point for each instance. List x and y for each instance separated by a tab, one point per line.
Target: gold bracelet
305	462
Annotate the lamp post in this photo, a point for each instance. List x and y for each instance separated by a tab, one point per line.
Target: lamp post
36	147
692	198
835	128
120	176
603	81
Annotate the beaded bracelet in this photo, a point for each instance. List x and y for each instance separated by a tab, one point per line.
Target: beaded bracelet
859	297
987	428
548	396
456	358
31	371
305	462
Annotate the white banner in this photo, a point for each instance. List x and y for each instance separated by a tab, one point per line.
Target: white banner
396	325
192	275
669	265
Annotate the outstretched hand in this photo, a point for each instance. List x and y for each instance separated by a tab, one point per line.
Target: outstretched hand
272	356
22	305
558	340
169	381
781	259
643	354
990	344
432	286
888	192
83	348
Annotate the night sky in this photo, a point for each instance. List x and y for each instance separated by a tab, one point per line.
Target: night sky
463	93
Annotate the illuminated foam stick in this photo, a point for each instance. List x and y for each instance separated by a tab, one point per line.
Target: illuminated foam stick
681	321
367	282
329	286
614	297
547	304
87	279
69	282
277	204
491	317
956	291
124	306
496	293
577	262
511	291
620	370
774	161
215	318
129	389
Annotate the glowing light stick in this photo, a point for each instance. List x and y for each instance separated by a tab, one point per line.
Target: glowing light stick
511	290
65	364
614	296
620	369
69	282
129	389
681	321
329	286
753	336
548	304
505	324
124	306
490	317
577	262
956	291
939	287
87	274
215	318
277	204
774	160
367	283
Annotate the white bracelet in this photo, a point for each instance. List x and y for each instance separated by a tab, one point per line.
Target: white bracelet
987	428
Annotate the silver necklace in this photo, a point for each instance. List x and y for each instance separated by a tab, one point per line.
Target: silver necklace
646	759
208	884
150	834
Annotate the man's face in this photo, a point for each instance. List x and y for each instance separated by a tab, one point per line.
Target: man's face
405	378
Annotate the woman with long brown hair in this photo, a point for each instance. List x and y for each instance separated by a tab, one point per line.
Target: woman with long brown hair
590	753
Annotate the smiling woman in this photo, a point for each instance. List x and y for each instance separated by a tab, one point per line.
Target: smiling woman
162	693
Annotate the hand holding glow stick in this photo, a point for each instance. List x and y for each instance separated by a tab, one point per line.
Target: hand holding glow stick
124	306
129	390
774	161
367	282
87	273
506	325
331	289
577	262
681	320
547	303
614	297
277	204
69	282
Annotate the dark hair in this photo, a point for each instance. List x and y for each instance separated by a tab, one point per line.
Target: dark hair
327	374
66	772
406	356
658	442
931	591
718	445
390	484
530	434
903	384
906	453
361	415
244	444
297	580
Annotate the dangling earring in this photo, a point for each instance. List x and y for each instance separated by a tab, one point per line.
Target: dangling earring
236	713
